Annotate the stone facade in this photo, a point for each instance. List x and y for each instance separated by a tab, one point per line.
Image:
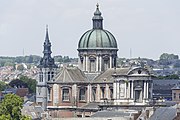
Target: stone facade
77	91
176	92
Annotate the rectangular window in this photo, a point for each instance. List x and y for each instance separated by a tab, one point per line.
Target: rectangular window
174	95
94	94
52	74
49	76
65	95
49	94
40	77
82	94
102	92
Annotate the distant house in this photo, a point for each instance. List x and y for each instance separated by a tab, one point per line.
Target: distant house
163	88
176	92
18	91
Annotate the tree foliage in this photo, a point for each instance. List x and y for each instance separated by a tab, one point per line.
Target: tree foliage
10	61
24	82
18	83
173	76
10	108
31	83
2	85
166	56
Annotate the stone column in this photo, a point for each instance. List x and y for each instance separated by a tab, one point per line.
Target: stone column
115	90
79	63
151	89
74	91
144	89
129	89
118	90
87	63
84	63
107	91
98	93
147	86
100	63
89	93
110	64
97	63
132	90
125	90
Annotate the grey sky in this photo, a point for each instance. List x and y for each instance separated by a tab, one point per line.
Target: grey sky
148	27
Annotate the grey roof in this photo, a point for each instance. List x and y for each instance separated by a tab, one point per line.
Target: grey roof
176	87
164	113
107	75
97	39
110	114
70	74
93	105
33	111
166	81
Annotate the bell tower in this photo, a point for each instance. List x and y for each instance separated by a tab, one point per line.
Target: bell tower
47	70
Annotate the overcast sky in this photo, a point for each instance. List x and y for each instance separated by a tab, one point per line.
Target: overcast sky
148	27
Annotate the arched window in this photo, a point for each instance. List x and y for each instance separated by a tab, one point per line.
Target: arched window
49	94
49	76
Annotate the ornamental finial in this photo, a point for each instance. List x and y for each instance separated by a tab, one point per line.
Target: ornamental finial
97	5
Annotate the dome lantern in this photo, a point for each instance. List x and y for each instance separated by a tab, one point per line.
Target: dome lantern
97	19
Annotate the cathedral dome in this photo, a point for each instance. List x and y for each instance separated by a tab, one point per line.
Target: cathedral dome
97	39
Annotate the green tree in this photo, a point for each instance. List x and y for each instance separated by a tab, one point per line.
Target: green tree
2	85
20	67
31	83
10	108
166	56
173	76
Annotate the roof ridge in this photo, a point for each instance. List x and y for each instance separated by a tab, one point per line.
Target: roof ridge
69	75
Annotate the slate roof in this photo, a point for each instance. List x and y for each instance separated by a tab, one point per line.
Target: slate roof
70	74
107	113
107	75
33	111
176	87
164	113
93	105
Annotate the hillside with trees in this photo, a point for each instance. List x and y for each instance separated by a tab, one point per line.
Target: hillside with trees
32	59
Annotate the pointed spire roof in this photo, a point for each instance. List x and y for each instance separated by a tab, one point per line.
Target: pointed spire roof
47	60
47	35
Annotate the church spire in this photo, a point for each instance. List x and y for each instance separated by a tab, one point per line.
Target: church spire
97	19
47	35
47	60
47	45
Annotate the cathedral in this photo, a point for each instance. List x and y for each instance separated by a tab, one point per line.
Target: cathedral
67	91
